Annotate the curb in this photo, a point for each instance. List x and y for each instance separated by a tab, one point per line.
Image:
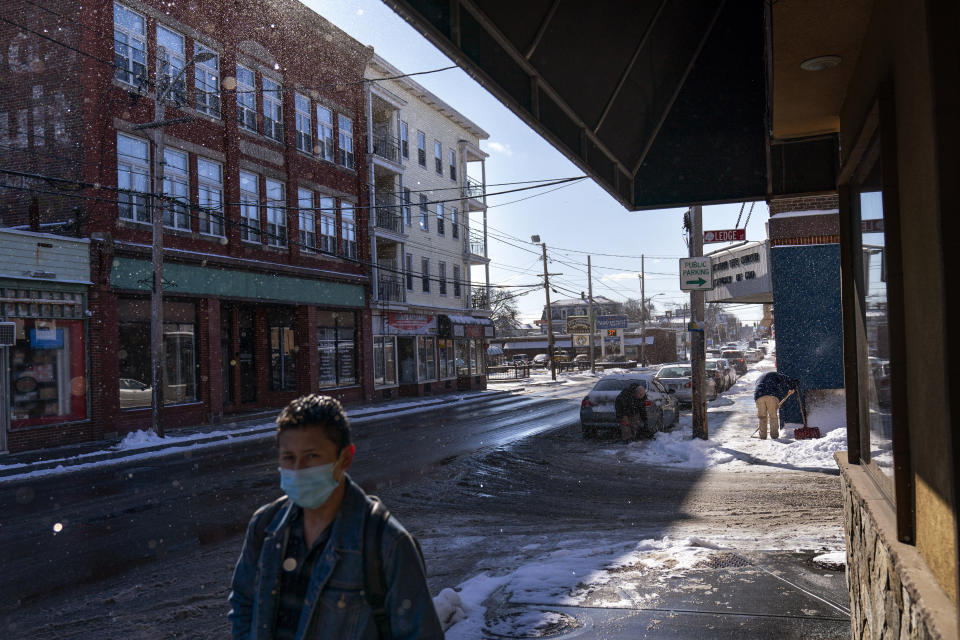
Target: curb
357	416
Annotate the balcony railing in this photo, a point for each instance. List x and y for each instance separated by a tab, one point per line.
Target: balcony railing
479	300
474	244
388	212
472	188
387	147
389	289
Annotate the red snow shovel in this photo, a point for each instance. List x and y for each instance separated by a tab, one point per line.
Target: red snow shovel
805	432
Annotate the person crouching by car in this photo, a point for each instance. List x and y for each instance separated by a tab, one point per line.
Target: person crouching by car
631	407
326	560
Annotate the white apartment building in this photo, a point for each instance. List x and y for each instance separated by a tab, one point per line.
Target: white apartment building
428	231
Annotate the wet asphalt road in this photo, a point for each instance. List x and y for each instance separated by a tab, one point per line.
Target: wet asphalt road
73	528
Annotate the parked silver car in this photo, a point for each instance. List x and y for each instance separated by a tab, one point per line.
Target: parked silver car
678	378
598	413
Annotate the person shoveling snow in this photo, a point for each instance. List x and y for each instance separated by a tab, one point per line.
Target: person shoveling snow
771	390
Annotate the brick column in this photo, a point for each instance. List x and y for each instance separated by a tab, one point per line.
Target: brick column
305	331
209	359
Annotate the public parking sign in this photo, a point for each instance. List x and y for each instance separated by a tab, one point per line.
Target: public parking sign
696	274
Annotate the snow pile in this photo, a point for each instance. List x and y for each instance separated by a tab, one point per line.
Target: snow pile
449	608
834	560
139	440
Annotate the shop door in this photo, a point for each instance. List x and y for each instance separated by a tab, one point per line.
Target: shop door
246	359
4	399
227	361
407	358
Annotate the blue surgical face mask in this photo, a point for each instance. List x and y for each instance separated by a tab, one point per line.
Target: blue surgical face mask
311	487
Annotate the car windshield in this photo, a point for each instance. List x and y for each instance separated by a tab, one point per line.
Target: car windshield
712	364
674	372
618	384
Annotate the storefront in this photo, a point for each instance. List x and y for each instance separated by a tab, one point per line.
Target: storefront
467	338
44	358
405	354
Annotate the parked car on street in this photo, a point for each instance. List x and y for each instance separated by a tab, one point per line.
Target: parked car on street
679	379
730	372
716	371
737	359
541	360
597	411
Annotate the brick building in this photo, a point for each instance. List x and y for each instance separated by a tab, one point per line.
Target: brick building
265	220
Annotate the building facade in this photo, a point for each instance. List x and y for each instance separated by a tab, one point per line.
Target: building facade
265	246
430	303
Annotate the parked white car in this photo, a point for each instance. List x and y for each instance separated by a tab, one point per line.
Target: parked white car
678	378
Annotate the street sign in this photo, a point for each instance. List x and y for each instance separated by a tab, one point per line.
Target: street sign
725	235
696	274
578	324
613	322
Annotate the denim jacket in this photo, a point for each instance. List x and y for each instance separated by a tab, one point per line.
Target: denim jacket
335	606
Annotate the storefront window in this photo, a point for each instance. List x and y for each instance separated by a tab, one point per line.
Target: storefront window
47	372
283	359
336	342
179	352
384	360
426	346
463	357
447	360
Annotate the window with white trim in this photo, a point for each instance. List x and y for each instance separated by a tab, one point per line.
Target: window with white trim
250	206
421	149
206	79
272	110
424	214
407	207
328	225
409	270
324	133
130	46
246	98
438	157
453	164
176	185
348	231
440	221
133	175
442	277
210	196
276	214
456	281
345	125
174	58
404	139
301	104
455	223
308	230
425	274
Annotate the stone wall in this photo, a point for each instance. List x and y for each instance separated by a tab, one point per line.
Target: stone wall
893	594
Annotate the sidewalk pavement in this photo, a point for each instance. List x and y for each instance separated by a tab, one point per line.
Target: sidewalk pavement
249	425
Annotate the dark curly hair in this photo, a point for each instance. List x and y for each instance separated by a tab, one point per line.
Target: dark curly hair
317	411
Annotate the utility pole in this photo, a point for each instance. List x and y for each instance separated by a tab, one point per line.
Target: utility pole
590	311
156	295
698	354
643	311
546	288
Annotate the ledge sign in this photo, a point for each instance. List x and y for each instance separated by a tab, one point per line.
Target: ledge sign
725	235
696	274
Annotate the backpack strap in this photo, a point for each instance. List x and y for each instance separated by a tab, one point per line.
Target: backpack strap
375	587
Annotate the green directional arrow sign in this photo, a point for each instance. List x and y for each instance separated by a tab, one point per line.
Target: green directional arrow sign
699	282
696	273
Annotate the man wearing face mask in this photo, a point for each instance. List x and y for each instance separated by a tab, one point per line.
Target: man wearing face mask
308	568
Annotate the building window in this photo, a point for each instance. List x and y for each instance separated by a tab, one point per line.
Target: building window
206	82
46	362
171	48
438	157
455	222
133	178
336	343
210	196
442	277
328	225
304	126
246	98
404	139
249	207
421	149
283	350
427	346
345	125
453	164
179	349
276	214
425	274
440	220
272	110
308	230
176	172
130	46
409	272
456	281
348	231
384	360
406	207
424	219
446	361
324	133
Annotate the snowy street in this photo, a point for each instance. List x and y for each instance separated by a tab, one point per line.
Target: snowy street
530	531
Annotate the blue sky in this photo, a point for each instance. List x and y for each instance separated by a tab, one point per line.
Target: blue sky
580	217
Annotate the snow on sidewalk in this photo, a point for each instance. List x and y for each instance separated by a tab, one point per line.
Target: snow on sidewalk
733	444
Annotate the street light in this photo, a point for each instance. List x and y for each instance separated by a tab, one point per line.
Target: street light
162	91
